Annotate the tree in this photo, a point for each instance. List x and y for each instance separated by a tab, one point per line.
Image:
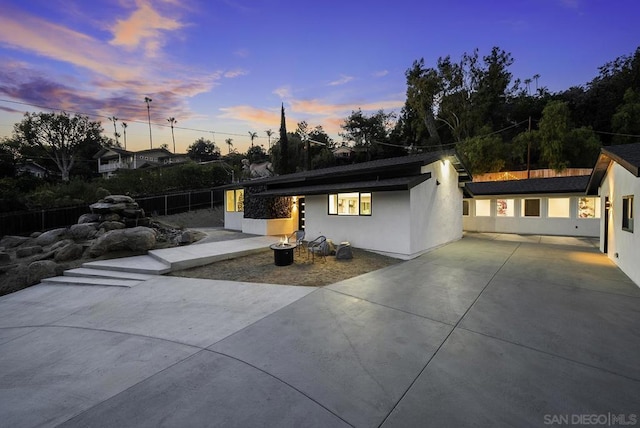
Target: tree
203	151
256	154
253	136
370	133
269	134
229	142
8	158
484	153
172	121
626	120
282	164
60	136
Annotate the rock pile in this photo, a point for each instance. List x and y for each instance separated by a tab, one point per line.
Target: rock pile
116	224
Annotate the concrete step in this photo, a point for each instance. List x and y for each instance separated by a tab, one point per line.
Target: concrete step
136	264
103	273
86	281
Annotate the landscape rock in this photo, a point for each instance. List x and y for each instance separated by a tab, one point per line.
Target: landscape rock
111	225
135	239
42	269
10	241
88	218
69	252
60	244
111	217
83	231
35	234
28	251
105	207
50	236
5	257
117	199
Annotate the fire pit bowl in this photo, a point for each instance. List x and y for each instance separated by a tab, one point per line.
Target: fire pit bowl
282	253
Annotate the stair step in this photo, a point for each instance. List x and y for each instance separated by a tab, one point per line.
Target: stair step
136	264
105	282
104	273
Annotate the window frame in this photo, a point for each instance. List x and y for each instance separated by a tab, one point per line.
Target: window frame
551	205
483	209
596	208
465	203
236	201
627	213
523	212
507	212
336	202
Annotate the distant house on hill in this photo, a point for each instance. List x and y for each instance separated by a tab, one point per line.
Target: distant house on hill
111	159
34	169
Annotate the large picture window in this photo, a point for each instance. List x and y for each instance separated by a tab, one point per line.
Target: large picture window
559	207
627	213
235	200
589	208
353	203
483	208
531	207
505	207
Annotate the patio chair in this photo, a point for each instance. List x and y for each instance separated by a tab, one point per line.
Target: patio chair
317	246
298	237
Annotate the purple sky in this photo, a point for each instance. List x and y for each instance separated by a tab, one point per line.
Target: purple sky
222	68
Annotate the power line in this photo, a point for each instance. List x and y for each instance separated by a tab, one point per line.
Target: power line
207	131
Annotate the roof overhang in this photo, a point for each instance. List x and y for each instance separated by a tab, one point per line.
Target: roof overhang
385	185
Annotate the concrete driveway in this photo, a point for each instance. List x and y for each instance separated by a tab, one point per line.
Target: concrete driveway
487	331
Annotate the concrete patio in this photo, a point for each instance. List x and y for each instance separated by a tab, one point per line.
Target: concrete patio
492	330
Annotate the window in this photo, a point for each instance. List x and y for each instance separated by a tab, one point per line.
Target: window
589	208
505	207
627	213
531	207
235	200
353	203
483	207
465	207
559	207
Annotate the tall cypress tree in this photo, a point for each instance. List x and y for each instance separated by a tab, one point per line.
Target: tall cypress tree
284	144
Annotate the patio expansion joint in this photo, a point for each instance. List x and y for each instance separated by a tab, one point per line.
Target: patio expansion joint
448	335
281	381
591	366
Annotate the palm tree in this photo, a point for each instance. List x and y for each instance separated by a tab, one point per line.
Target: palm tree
536	77
229	143
148	100
527	82
124	131
269	134
253	135
172	121
115	130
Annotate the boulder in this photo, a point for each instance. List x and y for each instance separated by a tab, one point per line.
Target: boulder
69	252
81	232
132	212
50	236
133	222
42	269
28	251
106	207
60	244
110	217
88	218
118	199
135	239
11	241
35	234
111	225
5	257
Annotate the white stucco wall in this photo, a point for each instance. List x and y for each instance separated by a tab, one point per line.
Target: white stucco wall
275	226
232	219
623	245
436	209
543	225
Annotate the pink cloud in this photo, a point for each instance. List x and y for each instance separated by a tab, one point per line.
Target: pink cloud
341	81
235	73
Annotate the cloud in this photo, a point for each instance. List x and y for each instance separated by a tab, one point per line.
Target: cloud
380	73
144	28
283	92
242	53
235	73
341	81
251	114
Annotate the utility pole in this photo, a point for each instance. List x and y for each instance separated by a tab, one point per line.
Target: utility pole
529	150
148	100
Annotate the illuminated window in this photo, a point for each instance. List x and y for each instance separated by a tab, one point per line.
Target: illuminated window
505	207
235	200
589	208
353	203
559	207
627	213
465	207
483	208
531	207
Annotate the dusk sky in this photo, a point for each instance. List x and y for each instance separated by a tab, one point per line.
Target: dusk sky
223	68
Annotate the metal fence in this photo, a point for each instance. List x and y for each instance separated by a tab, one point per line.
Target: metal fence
25	222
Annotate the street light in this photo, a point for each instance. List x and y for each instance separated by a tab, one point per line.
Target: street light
148	100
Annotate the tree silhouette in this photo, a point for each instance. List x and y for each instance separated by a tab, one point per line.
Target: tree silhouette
172	121
124	131
229	142
148	100
269	134
253	135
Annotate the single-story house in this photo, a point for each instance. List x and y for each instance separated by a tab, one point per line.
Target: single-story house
34	169
401	206
111	159
615	178
544	206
